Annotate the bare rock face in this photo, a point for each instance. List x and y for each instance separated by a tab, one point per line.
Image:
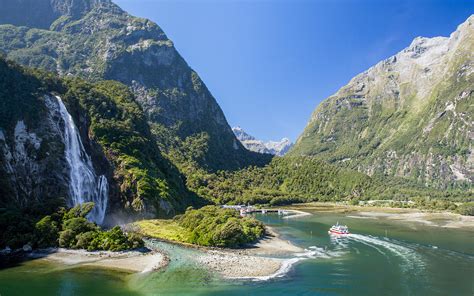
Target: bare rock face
76	8
409	116
278	148
33	162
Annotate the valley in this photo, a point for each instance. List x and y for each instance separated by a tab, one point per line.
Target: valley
119	169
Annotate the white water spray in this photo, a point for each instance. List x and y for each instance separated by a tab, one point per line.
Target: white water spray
412	260
84	184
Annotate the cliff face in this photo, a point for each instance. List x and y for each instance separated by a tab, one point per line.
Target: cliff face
114	146
97	40
33	165
33	168
409	116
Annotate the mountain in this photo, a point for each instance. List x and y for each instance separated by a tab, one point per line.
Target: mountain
97	40
67	141
408	116
279	148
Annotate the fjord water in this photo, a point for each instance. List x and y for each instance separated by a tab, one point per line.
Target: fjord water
381	257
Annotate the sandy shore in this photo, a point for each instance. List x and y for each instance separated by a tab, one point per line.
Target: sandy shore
296	214
270	245
234	265
448	220
260	261
265	259
438	219
132	261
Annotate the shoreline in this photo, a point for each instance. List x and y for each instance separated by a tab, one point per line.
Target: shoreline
269	257
430	218
297	214
128	261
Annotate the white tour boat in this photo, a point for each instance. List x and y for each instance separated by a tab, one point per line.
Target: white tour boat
338	229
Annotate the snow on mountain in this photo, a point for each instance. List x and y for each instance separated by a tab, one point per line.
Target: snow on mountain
278	148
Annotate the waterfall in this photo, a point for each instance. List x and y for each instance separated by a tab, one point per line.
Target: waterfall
84	184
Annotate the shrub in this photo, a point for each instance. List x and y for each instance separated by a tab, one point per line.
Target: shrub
66	238
47	231
214	226
466	209
73	230
84	240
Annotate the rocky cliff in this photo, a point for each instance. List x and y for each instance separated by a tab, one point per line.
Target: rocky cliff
278	148
95	39
409	116
64	142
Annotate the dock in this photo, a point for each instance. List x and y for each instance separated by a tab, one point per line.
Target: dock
245	210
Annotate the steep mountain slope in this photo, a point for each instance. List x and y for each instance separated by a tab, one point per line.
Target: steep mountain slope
36	154
95	39
279	148
410	115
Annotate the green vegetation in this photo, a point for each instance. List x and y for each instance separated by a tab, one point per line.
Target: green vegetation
383	124
74	231
144	170
147	179
207	226
106	43
466	209
161	155
422	203
165	229
213	226
292	179
107	112
67	229
285	180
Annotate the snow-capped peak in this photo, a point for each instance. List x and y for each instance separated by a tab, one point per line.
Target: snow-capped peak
271	147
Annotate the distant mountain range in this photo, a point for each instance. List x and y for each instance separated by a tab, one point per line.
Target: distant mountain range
410	115
278	148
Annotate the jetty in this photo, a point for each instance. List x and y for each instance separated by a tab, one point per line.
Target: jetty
245	210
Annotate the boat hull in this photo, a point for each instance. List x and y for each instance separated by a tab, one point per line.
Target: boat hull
337	232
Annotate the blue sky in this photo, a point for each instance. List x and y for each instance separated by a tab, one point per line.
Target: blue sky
270	63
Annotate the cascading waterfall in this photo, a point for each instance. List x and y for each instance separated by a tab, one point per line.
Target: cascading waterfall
84	184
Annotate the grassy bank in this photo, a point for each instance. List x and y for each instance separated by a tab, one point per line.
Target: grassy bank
168	230
208	226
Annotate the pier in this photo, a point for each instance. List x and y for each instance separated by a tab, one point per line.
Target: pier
245	210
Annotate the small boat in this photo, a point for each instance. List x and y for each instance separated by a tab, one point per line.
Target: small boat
338	229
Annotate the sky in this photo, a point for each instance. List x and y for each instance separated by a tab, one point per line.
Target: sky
269	63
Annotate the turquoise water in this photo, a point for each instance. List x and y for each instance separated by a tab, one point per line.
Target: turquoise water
381	257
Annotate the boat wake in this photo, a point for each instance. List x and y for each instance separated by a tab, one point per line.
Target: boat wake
312	252
410	259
